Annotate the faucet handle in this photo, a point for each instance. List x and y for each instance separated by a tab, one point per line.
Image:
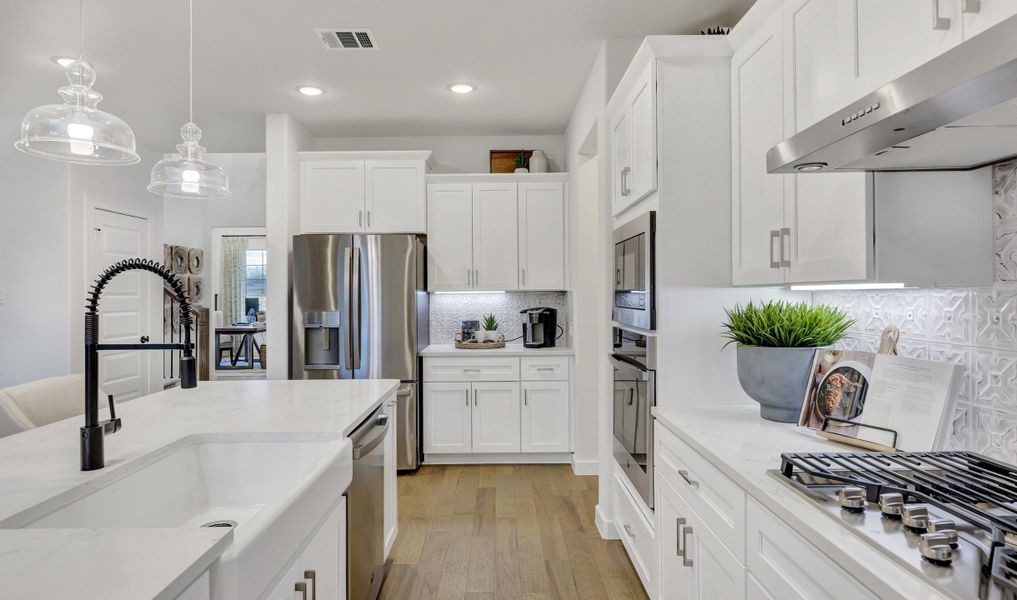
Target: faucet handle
114	424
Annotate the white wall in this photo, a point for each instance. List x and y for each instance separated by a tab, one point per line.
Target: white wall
189	222
284	137
34	257
45	216
456	154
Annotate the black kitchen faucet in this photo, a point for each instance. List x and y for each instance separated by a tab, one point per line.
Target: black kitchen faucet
93	433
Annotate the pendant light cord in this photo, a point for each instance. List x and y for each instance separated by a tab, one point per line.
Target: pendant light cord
81	15
190	60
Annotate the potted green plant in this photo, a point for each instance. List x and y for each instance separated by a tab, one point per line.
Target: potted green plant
777	343
489	331
521	166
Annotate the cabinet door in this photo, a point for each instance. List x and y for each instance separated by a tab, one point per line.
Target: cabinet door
331	196
542	236
323	563
989	13
496	417
545	417
756	125
391	486
449	236
395	196
286	588
827	234
447	421
495	236
621	161
643	112
884	39
672	513
755	590
717	572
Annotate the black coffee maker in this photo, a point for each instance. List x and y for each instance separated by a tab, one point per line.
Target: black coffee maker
540	327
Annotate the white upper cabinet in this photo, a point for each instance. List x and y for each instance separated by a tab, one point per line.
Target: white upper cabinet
395	196
757	109
363	192
495	237
541	236
827	230
450	236
634	142
979	16
331	196
496	233
884	40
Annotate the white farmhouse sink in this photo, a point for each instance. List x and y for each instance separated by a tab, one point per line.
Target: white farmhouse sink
271	488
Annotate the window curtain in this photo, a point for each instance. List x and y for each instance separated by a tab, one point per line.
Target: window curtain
234	279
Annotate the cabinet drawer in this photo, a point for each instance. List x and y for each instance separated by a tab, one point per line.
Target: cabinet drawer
715	498
788	567
636	533
545	368
481	368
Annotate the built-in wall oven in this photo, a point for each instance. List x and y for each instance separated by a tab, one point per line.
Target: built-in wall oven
634	357
634	266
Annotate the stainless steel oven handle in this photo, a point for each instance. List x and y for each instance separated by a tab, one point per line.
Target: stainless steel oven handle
355	313
348	342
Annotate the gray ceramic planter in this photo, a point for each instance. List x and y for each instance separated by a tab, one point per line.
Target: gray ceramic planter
776	378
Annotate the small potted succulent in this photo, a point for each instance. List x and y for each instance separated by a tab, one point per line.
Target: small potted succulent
521	162
489	330
777	343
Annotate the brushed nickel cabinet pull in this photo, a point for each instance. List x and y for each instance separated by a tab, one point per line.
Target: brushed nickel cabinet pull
774	235
686	560
971	6
467	397
313	576
628	531
680	536
360	218
685	475
302	588
368	218
939	22
785	233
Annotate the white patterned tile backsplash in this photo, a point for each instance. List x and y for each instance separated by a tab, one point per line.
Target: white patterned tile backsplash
974	327
448	311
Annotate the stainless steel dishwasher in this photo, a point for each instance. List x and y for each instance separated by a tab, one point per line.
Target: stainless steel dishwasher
365	549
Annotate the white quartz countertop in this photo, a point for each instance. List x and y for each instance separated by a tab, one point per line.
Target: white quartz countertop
508	350
745	447
41	463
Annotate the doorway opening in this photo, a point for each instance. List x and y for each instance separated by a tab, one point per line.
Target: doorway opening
237	345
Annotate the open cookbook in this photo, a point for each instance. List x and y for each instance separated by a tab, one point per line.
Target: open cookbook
881	401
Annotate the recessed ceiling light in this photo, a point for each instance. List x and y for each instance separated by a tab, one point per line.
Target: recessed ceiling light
63	61
310	90
460	88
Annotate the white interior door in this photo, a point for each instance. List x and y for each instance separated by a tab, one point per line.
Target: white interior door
496	417
124	306
495	236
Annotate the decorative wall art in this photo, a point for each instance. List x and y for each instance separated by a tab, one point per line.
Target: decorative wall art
196	289
195	261
180	260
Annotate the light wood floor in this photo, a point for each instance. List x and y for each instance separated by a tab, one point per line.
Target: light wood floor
504	532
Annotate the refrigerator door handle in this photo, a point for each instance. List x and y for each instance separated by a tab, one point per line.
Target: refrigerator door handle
348	342
355	309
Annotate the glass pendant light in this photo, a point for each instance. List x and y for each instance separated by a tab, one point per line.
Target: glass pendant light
77	131
187	174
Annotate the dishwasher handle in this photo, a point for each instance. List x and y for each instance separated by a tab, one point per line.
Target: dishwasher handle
374	435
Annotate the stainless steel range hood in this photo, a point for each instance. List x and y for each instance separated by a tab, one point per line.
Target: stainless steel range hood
955	112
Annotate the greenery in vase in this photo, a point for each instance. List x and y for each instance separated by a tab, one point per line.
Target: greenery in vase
782	324
490	323
521	160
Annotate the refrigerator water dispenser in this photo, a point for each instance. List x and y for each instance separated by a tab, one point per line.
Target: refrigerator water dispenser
321	339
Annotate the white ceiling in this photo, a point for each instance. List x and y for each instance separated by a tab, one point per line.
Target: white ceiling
528	59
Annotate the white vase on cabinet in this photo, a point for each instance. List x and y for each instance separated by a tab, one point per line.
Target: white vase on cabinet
538	162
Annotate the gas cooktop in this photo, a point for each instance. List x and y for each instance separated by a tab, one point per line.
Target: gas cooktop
949	517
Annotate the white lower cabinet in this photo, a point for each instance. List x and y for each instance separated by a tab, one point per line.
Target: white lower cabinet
636	532
489	405
319	573
198	590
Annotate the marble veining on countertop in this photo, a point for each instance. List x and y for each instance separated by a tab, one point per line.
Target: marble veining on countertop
747	448
122	564
508	350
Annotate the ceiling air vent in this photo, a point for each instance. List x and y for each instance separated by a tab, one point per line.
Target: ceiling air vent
347	39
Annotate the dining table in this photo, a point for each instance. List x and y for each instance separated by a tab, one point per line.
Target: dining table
247	332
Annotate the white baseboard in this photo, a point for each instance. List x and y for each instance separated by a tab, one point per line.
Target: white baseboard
604	525
585	467
509	458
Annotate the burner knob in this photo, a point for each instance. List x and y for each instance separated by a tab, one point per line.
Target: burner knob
891	505
935	548
915	517
945	527
852	499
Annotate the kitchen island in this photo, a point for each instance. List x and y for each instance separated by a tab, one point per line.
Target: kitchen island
39	471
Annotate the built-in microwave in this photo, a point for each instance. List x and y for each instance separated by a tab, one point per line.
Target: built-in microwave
634	273
634	358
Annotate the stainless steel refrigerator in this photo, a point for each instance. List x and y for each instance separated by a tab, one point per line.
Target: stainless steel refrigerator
360	312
